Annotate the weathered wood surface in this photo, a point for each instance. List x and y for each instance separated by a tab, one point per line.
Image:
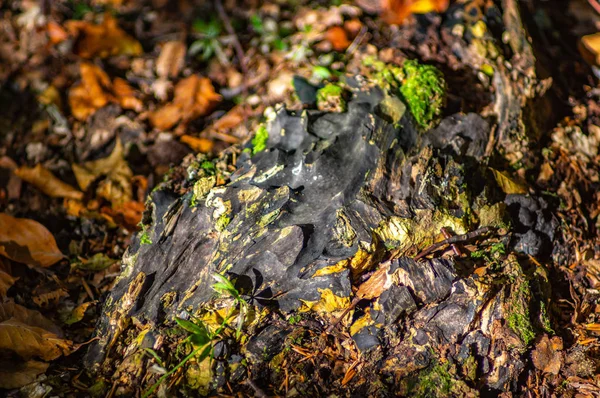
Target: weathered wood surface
334	196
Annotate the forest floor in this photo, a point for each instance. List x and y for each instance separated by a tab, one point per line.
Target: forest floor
100	99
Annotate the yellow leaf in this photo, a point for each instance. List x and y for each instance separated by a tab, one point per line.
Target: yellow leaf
508	184
27	241
18	374
78	313
45	181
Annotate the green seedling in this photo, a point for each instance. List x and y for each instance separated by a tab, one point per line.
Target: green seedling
208	43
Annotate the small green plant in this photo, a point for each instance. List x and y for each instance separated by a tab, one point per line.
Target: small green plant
145	238
259	142
271	35
207	44
200	337
294	319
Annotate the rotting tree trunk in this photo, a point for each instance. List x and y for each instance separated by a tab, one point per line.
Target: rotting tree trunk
332	199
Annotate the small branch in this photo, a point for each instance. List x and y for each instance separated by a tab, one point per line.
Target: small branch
236	43
454	239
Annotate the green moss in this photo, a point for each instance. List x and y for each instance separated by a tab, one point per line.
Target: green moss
435	382
293	319
330	98
259	142
222	222
423	87
98	389
545	319
424	90
518	319
145	238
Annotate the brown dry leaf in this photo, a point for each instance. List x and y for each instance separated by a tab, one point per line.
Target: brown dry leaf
45	181
194	97
547	356
6	280
171	59
103	40
30	341
338	38
29	334
396	11
508	184
27	241
19	374
202	145
13	187
116	187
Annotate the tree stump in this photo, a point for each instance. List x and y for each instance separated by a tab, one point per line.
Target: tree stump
327	211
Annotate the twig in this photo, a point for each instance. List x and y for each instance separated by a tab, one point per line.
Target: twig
236	43
595	5
454	239
447	235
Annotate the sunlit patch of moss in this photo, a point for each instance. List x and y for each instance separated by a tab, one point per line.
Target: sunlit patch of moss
435	382
423	87
424	90
222	222
259	142
145	238
330	98
518	318
201	188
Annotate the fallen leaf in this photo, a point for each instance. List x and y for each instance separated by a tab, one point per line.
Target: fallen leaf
128	214
547	355
589	47
12	310
171	59
125	96
45	181
30	341
6	280
19	374
508	184
97	262
337	36
78	313
395	12
194	97
96	90
56	33
202	145
116	187
103	40
27	241
13	187
53	297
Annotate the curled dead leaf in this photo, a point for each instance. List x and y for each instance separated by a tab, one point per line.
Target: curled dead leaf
103	40
78	313
194	97
48	183
547	355
27	241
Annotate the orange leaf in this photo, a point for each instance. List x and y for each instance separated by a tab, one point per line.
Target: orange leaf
124	94
45	181
27	241
194	97
202	145
338	38
92	93
103	40
56	33
396	11
128	214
